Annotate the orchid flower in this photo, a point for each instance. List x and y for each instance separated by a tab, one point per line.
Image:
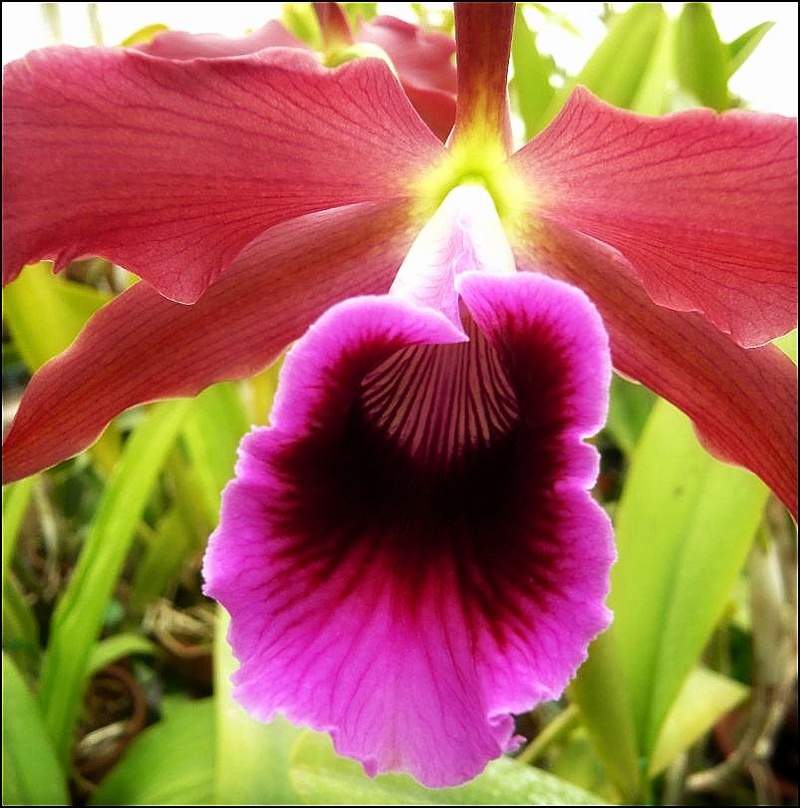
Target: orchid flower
409	552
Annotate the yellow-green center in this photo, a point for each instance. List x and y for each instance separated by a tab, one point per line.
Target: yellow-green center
475	161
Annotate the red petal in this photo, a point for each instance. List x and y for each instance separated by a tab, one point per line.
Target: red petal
742	401
424	64
170	168
141	347
423	60
703	206
179	45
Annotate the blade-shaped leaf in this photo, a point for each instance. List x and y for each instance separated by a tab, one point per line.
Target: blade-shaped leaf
684	525
532	73
740	49
616	69
166	552
630	405
171	763
788	344
700	57
323	778
31	773
20	629
78	616
117	647
704	698
652	96
16	497
38	296
576	761
601	694
212	431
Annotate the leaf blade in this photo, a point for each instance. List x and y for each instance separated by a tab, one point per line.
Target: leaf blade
321	777
77	619
31	772
170	763
671	582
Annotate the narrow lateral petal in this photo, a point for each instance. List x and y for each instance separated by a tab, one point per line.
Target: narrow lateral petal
743	401
409	553
170	168
142	347
703	206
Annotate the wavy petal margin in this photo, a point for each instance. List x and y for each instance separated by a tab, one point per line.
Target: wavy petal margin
180	45
141	347
423	60
406	606
170	168
743	401
703	206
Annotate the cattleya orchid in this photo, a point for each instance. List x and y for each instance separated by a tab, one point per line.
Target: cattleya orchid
409	552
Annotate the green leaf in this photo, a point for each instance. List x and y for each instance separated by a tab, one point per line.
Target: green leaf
788	344
165	555
601	693
37	296
617	68
321	777
532	74
701	59
300	19
555	18
171	763
212	431
20	629
628	412
252	757
652	96
360	11
705	697
575	760
16	498
31	774
684	525
117	647
742	47
78	616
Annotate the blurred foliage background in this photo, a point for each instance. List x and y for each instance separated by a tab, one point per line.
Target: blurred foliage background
115	667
